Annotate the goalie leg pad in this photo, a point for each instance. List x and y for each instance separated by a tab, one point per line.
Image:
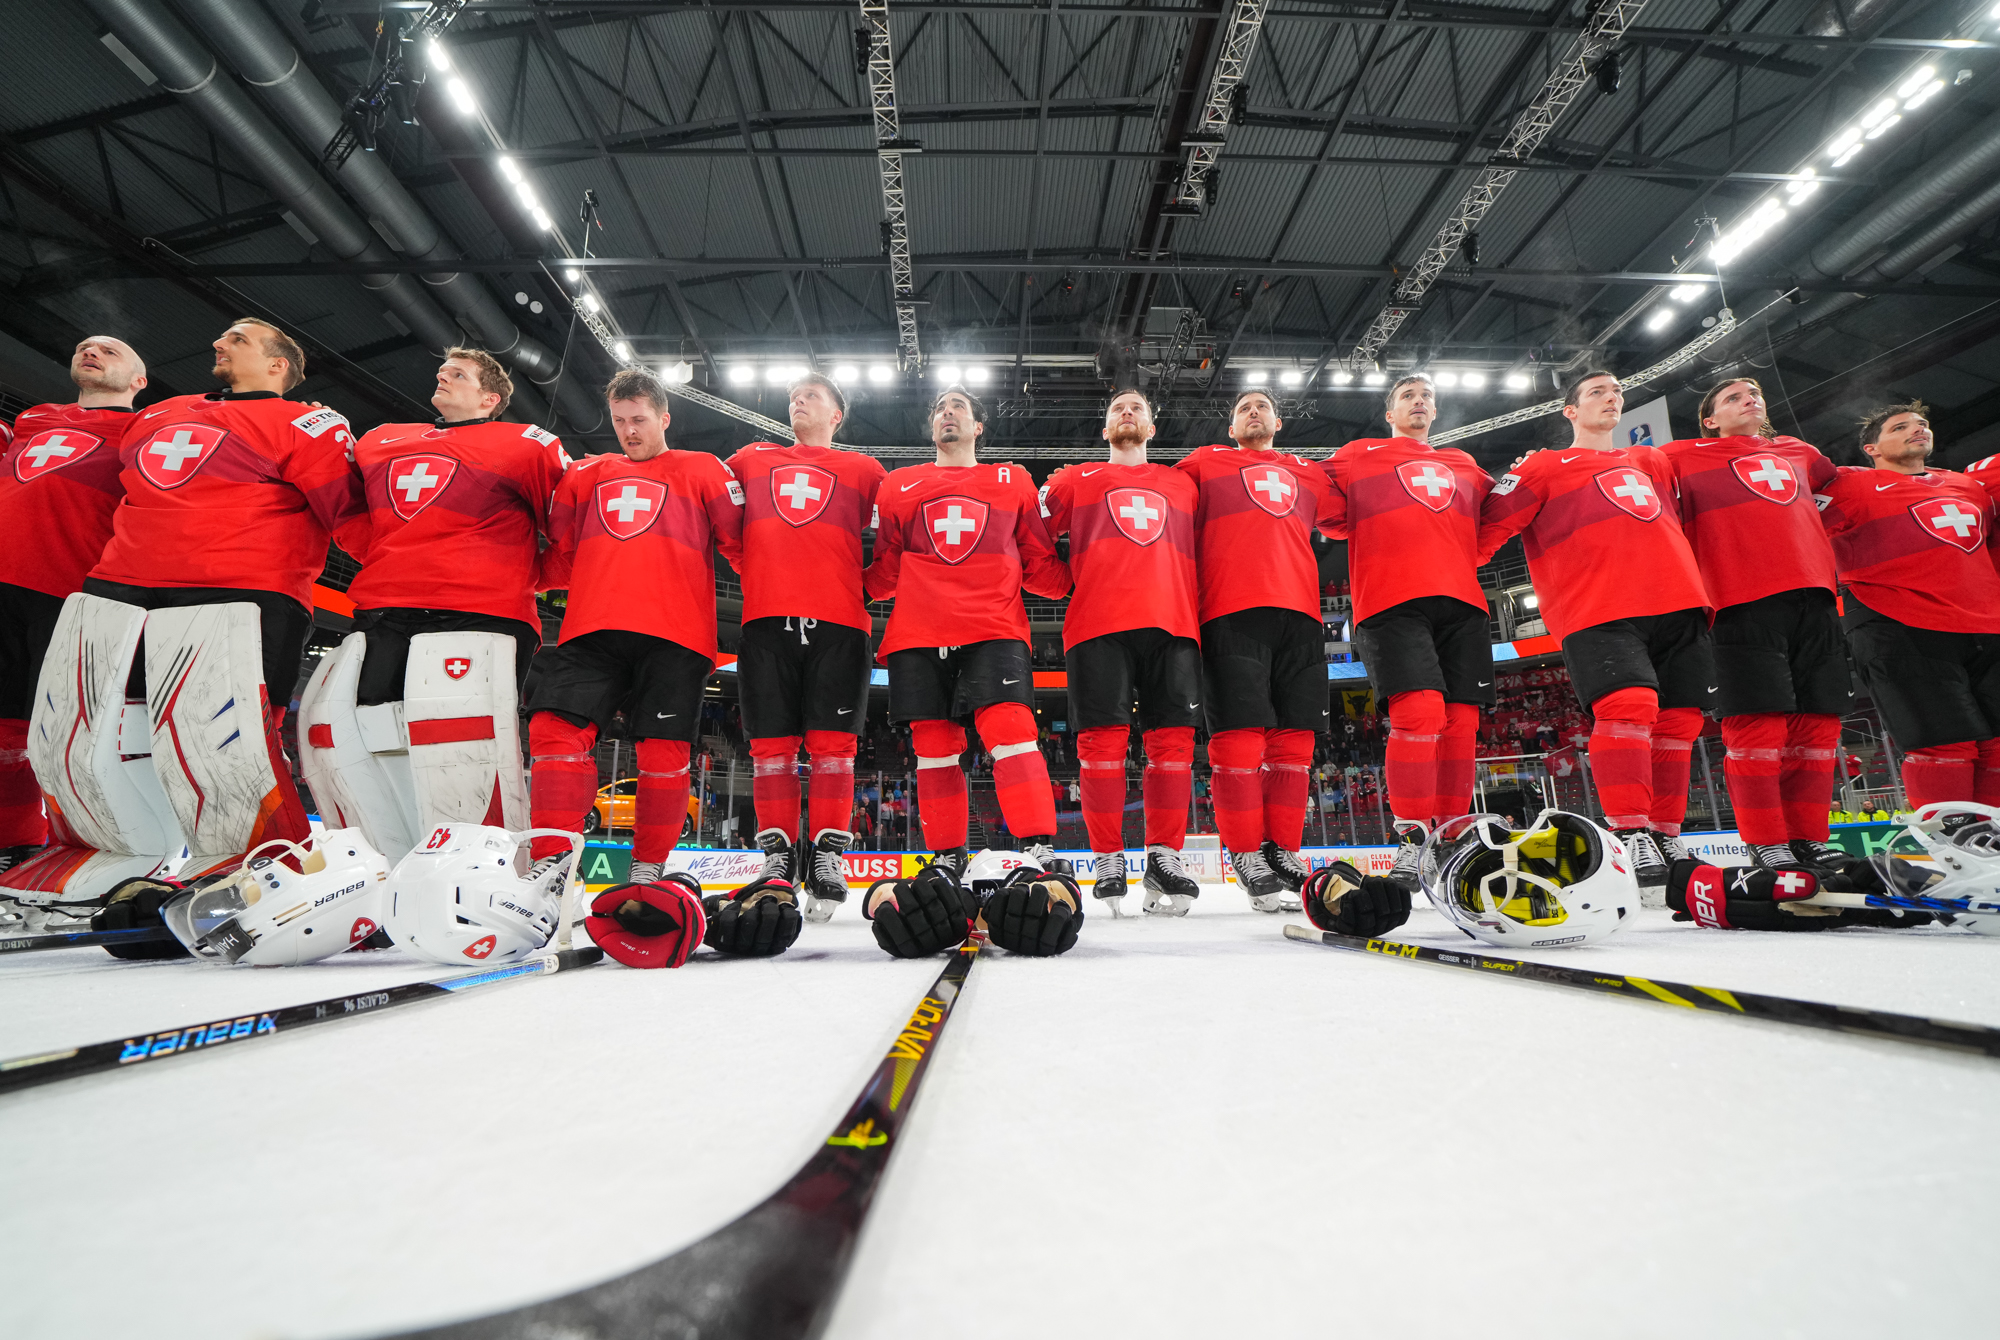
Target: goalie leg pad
653	925
1339	898
1037	916
353	758
465	730
917	917
759	920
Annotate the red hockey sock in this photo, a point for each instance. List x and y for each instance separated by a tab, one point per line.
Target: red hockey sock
1020	773
774	782
1100	759
1805	774
1410	767
21	821
1672	751
830	794
1756	745
1621	755
1287	782
660	808
941	802
564	780
1169	785
1455	748
1236	765
1986	774
1942	772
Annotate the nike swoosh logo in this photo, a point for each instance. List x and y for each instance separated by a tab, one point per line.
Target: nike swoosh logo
907	487
1010	681
1711	690
663	715
1088	473
1482	683
845	711
1193	706
1880	487
1564	460
1374	448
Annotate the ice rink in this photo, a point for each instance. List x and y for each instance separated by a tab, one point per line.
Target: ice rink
1181	1128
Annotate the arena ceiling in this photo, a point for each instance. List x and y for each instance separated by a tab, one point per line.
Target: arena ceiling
1092	193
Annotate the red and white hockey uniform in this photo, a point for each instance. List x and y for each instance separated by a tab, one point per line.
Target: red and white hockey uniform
634	542
453	513
59	487
1603	536
1746	506
954	546
1410	515
1917	548
238	491
1131	548
804	509
1253	529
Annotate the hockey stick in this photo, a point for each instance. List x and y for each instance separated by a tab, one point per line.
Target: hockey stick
27	1071
137	935
1975	1038
773	1273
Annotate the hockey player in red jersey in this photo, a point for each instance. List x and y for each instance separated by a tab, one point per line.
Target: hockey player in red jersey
804	661
1410	515
1129	639
415	734
1782	684
59	486
1262	643
1619	586
1916	550
955	544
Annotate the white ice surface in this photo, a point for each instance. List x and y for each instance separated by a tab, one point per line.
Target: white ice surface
1191	1128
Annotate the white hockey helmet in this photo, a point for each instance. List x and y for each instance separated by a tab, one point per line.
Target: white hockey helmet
990	869
269	914
459	897
1565	880
1962	841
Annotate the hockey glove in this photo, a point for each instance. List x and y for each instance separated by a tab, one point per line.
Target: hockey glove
1341	899
136	903
1747	898
917	917
654	925
759	920
1036	916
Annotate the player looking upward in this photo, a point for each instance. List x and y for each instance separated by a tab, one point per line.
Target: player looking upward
1410	514
1129	639
1619	586
804	661
59	485
1782	685
1915	548
1262	643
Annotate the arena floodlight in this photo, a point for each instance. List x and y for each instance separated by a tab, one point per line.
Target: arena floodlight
742	375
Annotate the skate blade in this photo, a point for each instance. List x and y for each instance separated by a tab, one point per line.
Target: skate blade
1115	904
1167	904
1267	902
1653	896
819	910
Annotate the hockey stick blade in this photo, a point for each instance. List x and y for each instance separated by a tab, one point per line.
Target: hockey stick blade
1974	1038
772	1274
24	1072
138	935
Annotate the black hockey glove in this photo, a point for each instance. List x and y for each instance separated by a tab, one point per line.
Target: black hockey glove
136	903
1341	899
759	920
1747	898
1039	915
917	917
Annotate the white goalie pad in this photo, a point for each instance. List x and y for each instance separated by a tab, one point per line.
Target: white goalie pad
353	757
464	729
205	698
89	748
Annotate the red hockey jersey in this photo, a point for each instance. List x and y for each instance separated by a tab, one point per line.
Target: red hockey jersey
1410	515
1253	529
634	542
453	513
230	490
1131	548
1746	506
59	487
1603	535
804	509
1985	472
1918	548
954	546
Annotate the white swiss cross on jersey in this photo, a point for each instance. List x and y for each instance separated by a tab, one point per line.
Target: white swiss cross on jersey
801	492
1772	478
1428	482
629	507
1633	491
955	525
1140	514
53	450
1271	487
170	457
416	481
1957	523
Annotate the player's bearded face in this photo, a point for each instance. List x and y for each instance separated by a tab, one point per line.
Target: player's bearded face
1905	440
103	365
1254	421
1128	423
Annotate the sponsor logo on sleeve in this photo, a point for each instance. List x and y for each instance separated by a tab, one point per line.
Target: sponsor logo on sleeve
1507	484
536	433
735	491
316	422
